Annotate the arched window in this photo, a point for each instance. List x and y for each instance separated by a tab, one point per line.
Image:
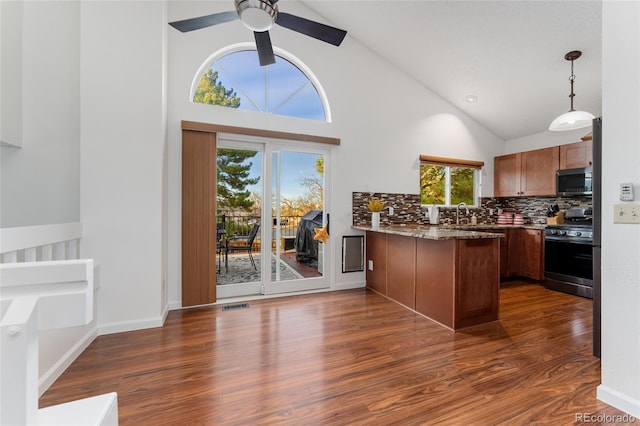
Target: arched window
233	77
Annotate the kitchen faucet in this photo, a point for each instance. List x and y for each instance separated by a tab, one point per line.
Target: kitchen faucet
458	211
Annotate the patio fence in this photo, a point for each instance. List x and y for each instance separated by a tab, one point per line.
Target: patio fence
240	225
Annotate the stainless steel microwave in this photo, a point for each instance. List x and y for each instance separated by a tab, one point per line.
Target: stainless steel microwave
573	182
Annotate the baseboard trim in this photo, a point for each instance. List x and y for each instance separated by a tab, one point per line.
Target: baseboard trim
349	285
121	327
618	400
47	379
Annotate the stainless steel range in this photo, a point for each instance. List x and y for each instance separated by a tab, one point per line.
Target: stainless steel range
569	254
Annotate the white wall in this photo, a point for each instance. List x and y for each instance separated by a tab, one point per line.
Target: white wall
381	139
620	243
123	148
40	182
544	140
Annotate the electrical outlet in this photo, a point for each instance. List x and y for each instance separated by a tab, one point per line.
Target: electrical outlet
626	213
371	265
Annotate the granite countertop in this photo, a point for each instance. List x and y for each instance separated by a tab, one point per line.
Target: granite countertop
431	232
496	226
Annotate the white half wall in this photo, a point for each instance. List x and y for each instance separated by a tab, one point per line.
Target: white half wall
620	243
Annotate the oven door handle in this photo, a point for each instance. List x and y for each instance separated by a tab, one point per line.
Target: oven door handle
568	241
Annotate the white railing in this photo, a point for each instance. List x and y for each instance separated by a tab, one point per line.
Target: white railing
40	243
43	286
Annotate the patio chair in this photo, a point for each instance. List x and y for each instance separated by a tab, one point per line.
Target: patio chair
221	245
247	243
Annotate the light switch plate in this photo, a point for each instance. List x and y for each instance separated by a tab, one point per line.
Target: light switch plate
626	213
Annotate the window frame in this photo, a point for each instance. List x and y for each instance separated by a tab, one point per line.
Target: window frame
448	164
244	46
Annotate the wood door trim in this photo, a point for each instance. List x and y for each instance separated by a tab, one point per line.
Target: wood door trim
220	128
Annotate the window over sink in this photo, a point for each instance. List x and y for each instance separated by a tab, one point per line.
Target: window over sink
449	181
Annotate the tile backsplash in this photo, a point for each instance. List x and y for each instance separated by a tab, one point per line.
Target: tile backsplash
407	208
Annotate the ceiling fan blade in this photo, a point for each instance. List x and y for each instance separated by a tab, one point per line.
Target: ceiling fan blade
265	50
191	24
313	29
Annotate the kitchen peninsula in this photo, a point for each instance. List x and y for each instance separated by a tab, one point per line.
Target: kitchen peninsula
449	275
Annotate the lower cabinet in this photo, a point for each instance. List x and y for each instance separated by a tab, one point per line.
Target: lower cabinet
376	251
531	259
401	265
521	253
526	253
454	282
504	249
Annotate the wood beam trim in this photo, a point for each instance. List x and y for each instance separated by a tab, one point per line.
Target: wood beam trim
219	128
452	162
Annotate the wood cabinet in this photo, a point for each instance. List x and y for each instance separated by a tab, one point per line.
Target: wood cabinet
506	172
454	282
576	155
526	253
504	249
401	265
376	249
529	173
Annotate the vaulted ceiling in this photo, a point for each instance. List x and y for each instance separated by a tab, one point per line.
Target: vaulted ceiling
508	54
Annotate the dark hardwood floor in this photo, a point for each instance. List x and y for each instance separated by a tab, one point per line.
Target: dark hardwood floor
348	357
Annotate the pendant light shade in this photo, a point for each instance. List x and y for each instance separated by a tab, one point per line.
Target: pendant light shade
573	119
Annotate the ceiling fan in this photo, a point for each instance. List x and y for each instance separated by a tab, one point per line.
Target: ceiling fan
259	16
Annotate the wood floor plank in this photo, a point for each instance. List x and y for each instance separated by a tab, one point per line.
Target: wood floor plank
348	357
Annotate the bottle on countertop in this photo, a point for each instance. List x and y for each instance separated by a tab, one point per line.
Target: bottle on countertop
474	219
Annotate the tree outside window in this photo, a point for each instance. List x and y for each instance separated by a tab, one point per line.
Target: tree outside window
447	184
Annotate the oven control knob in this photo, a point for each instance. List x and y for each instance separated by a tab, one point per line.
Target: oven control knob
553	232
563	232
578	233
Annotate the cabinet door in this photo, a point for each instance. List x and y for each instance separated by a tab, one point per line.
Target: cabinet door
538	172
514	246
506	175
504	249
504	253
531	250
401	269
576	155
376	264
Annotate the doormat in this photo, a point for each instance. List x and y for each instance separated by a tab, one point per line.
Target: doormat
238	306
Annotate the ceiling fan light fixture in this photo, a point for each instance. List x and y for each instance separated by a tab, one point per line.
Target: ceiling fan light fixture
573	119
257	15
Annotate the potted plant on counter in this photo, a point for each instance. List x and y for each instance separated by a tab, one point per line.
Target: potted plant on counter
375	206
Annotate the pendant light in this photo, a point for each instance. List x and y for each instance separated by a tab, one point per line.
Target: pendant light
573	119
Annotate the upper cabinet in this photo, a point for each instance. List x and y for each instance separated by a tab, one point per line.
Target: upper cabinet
529	173
576	155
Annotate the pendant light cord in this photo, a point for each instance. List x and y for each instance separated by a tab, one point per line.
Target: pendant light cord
572	78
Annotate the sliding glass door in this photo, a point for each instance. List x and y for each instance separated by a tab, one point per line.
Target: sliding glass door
281	255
